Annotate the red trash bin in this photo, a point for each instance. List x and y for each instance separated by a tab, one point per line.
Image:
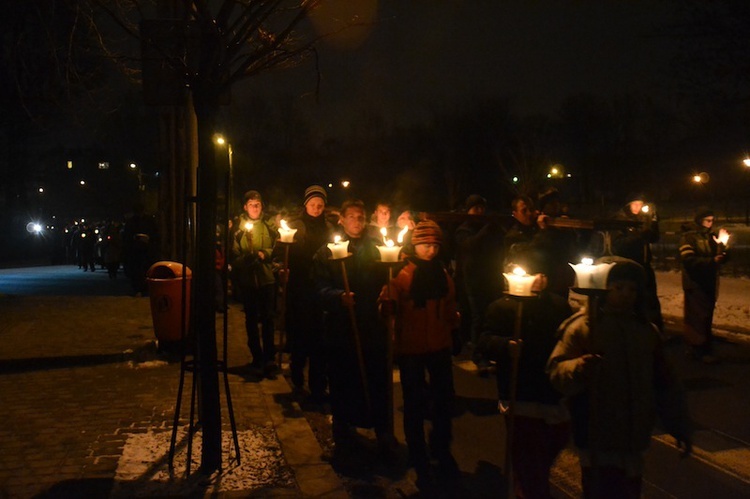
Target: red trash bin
165	288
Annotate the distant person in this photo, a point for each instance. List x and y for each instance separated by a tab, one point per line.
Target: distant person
635	242
702	253
381	219
423	298
524	225
140	245
87	248
112	249
618	382
253	273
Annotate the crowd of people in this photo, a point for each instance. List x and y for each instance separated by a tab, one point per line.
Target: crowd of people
130	245
597	376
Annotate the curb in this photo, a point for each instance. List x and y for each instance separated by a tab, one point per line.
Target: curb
315	477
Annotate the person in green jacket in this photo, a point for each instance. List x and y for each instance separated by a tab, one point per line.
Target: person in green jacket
252	247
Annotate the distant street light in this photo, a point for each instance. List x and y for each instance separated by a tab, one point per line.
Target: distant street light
219	139
82	182
141	185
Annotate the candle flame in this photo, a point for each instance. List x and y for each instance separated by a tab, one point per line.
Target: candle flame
723	237
401	234
384	231
645	208
248	226
389	243
519	271
587	261
336	239
284	224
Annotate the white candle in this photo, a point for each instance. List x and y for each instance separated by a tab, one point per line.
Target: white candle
339	249
519	283
590	276
389	252
286	235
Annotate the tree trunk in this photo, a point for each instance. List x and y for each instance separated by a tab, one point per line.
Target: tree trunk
206	108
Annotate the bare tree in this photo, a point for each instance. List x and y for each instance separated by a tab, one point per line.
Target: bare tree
209	47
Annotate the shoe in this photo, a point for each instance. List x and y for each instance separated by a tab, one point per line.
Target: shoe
270	369
255	368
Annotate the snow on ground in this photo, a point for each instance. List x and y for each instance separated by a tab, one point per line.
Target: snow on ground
732	307
142	470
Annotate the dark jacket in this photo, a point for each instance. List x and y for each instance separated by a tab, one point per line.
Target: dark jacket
541	318
697	252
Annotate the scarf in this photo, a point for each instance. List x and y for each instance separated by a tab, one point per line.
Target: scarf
429	282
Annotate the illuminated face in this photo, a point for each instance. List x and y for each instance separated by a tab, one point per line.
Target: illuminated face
622	295
253	208
523	213
353	221
707	222
636	207
426	251
382	215
404	220
315	206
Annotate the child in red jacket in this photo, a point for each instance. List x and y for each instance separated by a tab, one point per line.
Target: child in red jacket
426	317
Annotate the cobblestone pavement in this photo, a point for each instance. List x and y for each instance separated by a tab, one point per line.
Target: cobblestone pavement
81	374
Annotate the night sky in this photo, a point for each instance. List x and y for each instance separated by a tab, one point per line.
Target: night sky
421	56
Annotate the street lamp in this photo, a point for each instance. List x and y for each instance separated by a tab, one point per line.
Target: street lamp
141	185
220	140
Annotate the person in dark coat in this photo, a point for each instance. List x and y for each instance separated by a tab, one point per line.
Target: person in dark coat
541	423
140	246
304	319
479	247
358	384
634	243
702	253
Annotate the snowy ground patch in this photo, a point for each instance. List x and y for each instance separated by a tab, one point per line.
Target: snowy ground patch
142	471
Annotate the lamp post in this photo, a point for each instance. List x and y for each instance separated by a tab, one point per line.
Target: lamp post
141	185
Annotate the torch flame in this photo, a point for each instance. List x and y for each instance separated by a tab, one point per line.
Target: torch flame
401	234
284	225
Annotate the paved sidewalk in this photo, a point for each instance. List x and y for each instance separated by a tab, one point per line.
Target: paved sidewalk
82	389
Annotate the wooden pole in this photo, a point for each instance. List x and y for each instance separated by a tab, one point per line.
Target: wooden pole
515	356
357	341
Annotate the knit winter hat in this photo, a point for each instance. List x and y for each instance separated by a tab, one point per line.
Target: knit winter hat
315	191
703	212
427	232
474	200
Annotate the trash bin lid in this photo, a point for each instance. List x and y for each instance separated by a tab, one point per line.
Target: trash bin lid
168	270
